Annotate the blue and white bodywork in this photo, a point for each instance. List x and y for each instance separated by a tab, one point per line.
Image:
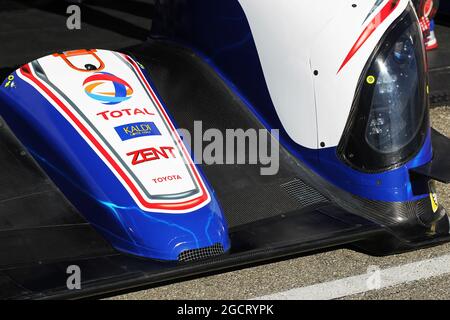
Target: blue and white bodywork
104	137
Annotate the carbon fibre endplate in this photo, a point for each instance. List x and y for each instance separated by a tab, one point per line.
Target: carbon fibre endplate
439	168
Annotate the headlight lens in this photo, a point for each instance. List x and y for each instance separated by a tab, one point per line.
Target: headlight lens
396	111
389	118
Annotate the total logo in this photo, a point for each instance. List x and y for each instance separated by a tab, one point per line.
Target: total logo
107	115
107	88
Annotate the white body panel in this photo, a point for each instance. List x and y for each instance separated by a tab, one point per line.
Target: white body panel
296	37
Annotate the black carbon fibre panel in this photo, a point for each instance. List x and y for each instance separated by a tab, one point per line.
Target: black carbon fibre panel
393	213
304	194
193	92
37	223
266	239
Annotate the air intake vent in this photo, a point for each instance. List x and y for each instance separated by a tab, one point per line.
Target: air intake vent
202	253
303	194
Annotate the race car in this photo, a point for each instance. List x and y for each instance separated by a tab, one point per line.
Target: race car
114	162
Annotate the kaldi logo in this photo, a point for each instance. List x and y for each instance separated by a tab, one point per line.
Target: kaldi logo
107	115
136	130
151	154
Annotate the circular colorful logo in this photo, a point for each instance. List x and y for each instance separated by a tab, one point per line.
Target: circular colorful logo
107	88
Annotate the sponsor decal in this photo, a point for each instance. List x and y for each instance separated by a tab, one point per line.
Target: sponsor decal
434	202
371	79
10	83
151	154
107	115
136	130
433	197
107	88
173	177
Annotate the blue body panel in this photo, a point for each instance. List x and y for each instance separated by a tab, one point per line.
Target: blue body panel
220	33
96	192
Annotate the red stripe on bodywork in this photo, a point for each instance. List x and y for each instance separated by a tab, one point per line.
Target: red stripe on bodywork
185	205
370	29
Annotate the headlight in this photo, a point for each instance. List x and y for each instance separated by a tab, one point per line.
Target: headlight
388	123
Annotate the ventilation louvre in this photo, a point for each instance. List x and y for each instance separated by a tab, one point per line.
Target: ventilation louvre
202	253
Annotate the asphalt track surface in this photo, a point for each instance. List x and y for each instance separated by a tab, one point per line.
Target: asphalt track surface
323	268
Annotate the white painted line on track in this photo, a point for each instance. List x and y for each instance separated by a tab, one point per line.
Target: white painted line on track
373	280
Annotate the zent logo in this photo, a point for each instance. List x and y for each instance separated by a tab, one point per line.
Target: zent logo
151	154
107	88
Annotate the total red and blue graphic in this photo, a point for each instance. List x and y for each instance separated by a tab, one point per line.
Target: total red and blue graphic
107	88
